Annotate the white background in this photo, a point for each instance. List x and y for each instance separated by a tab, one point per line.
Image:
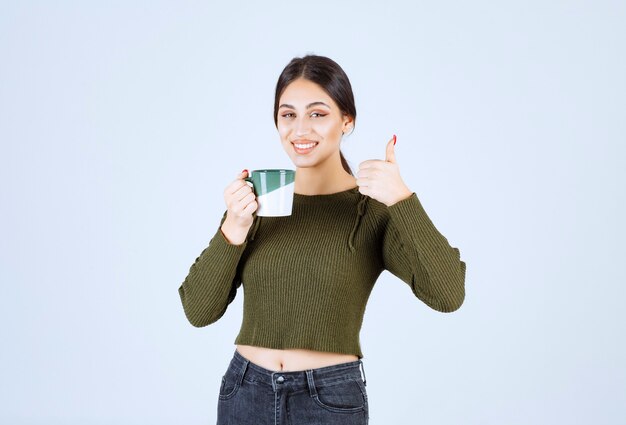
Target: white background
120	126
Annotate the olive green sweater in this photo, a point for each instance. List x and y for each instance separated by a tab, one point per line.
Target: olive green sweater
307	277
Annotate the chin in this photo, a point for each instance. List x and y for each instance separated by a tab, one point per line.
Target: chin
303	164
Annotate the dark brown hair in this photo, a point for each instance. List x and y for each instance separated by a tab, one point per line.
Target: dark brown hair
329	76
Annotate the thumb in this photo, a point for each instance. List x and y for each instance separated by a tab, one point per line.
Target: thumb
391	155
243	175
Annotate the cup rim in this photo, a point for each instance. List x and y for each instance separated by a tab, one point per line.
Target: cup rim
274	170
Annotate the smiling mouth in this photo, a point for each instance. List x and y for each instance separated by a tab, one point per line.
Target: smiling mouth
304	147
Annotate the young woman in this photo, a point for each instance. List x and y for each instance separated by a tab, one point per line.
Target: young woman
307	277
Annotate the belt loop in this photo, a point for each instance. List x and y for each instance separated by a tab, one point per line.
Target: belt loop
363	369
243	370
311	382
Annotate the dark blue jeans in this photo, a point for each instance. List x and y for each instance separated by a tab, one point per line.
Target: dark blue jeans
331	395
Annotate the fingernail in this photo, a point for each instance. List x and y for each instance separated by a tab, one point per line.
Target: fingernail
394	139
245	170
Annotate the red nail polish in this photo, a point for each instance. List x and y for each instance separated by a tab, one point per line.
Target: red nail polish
245	170
394	139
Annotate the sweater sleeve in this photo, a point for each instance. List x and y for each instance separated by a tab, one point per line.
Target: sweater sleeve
212	281
416	252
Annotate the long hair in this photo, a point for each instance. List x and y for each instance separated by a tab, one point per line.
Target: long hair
327	74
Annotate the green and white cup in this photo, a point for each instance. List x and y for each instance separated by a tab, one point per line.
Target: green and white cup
274	191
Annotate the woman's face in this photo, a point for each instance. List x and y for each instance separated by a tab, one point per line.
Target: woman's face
310	124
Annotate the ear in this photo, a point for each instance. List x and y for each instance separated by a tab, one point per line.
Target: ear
348	124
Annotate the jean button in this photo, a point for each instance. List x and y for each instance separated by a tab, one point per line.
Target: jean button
280	379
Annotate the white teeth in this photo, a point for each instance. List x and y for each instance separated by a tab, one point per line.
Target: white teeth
308	145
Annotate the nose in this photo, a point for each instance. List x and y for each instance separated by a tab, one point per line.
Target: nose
303	127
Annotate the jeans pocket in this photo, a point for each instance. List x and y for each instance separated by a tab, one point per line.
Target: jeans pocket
346	396
229	386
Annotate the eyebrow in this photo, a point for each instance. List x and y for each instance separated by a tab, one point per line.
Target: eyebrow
284	105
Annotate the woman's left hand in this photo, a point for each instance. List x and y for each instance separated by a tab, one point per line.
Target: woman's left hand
381	179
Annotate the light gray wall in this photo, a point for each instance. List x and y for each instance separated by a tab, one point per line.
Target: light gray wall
121	124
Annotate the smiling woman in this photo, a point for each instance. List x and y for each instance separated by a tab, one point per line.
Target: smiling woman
308	276
315	126
313	108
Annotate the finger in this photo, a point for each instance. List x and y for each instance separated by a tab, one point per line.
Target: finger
242	192
363	172
370	163
364	190
234	186
247	199
391	154
237	184
361	182
369	173
241	176
238	206
250	208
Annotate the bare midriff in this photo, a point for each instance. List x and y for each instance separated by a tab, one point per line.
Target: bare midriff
292	359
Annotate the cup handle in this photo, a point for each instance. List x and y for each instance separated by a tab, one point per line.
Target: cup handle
249	179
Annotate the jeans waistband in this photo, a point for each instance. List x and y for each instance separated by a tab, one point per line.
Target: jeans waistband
295	379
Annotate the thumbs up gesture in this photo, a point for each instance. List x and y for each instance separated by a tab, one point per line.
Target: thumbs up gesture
381	179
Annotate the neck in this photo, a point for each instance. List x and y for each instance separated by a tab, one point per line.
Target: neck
325	178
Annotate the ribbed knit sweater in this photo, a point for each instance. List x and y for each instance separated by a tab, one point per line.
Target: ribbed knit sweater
307	277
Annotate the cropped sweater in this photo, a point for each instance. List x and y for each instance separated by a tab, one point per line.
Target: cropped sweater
307	277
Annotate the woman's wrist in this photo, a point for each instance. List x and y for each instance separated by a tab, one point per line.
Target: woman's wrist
235	234
403	193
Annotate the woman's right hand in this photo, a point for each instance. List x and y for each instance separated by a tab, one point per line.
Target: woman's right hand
241	204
